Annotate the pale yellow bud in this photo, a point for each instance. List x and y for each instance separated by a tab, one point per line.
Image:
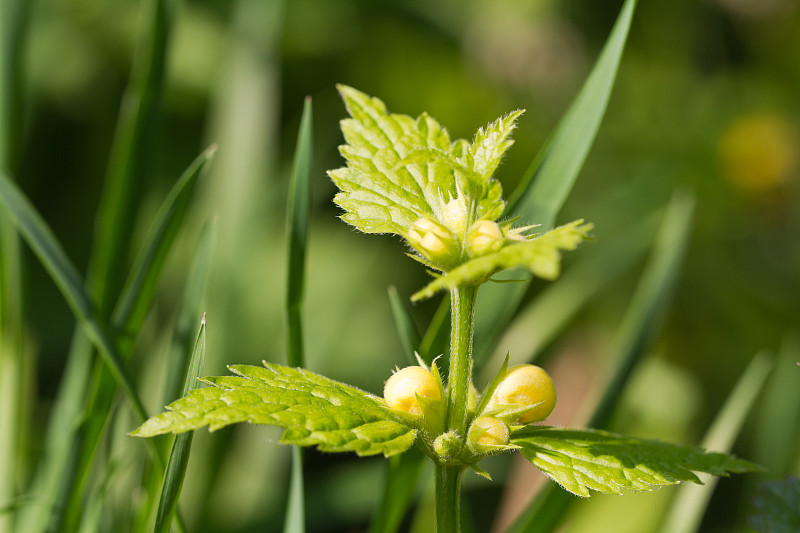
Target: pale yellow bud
484	236
526	385
434	241
487	431
401	390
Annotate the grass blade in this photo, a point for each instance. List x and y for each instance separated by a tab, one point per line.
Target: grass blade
778	420
548	181
140	287
298	213
297	228
45	246
129	314
407	331
114	224
181	445
689	504
130	153
193	297
554	170
638	326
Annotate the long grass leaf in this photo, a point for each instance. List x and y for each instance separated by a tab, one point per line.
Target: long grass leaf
181	445
114	224
193	298
140	287
128	316
689	504
553	173
45	246
639	324
297	228
130	155
406	329
298	214
546	185
777	431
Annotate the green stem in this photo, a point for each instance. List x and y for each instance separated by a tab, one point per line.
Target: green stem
448	478
448	498
462	320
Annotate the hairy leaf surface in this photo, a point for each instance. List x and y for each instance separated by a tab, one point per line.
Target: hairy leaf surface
580	460
400	169
541	255
314	410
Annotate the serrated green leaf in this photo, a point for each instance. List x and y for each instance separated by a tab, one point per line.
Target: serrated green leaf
400	169
315	410
580	460
541	255
491	143
778	503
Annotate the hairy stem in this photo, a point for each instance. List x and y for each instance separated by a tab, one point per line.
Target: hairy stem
448	478
462	305
448	498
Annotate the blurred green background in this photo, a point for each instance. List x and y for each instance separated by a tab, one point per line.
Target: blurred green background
706	99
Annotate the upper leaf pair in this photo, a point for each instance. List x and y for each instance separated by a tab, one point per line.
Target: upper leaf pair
405	176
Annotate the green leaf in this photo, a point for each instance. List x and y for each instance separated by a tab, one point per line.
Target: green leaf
541	255
580	460
314	410
400	169
181	446
377	193
778	503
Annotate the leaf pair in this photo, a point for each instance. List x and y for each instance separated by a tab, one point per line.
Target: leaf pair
335	417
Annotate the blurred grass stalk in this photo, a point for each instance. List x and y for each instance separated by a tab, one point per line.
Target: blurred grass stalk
182	444
298	212
15	367
68	439
689	504
552	174
638	326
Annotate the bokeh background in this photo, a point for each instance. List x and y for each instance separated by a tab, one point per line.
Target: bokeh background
706	100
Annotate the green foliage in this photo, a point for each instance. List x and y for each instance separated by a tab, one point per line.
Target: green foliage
314	410
541	255
401	169
778	504
580	460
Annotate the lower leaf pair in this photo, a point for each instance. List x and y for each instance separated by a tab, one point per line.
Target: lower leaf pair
336	417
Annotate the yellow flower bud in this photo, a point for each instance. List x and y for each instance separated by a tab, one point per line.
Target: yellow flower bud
487	431
433	241
484	236
526	385
401	390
